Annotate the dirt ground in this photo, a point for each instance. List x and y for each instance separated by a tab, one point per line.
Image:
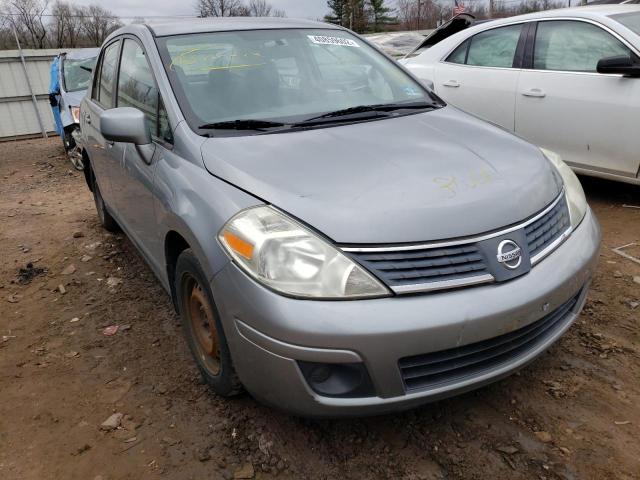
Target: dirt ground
572	414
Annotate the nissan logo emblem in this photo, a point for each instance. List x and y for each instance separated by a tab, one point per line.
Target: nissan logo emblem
509	254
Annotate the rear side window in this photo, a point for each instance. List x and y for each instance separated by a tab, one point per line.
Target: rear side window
573	46
136	85
459	55
494	48
104	94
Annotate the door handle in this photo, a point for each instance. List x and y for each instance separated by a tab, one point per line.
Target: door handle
534	92
109	143
451	83
87	118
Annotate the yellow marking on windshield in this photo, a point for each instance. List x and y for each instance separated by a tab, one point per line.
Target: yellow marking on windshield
178	60
229	67
182	60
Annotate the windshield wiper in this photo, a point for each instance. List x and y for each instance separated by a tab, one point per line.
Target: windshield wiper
249	124
372	111
382	108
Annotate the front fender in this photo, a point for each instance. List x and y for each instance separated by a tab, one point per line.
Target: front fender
195	204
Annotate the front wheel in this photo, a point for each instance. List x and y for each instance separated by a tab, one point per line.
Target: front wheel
72	149
202	327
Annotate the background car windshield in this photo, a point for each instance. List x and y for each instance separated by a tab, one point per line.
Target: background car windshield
629	20
75	77
280	75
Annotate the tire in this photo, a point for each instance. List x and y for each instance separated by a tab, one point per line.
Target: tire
72	150
202	327
106	220
67	141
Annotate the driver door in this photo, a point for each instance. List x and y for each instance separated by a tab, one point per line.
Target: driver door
137	88
563	104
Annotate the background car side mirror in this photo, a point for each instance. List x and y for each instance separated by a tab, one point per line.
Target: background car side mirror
622	64
126	125
428	84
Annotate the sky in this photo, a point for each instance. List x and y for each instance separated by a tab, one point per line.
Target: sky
313	9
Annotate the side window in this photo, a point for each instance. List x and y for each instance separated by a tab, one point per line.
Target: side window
96	79
136	86
573	46
459	55
164	128
494	48
107	74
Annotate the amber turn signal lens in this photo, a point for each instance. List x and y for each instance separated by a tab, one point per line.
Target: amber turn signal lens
240	246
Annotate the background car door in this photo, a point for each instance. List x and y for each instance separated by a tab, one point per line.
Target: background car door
564	105
105	159
479	75
137	88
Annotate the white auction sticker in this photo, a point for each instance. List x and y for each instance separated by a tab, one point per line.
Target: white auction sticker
323	40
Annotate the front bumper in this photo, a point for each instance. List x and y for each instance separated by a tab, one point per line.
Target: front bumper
268	333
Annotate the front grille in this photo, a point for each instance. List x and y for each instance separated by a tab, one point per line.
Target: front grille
455	364
548	228
425	266
458	263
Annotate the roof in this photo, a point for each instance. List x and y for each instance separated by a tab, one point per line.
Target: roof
590	11
596	13
225	24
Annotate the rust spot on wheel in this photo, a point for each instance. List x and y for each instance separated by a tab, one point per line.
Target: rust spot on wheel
203	325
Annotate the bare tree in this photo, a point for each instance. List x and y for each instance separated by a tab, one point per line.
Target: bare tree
97	23
26	18
74	26
6	35
262	8
61	17
417	14
219	8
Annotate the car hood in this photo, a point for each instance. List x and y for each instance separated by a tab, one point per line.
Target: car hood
430	176
73	99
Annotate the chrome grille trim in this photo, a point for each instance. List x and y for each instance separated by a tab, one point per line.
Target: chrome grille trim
452	243
460	282
551	247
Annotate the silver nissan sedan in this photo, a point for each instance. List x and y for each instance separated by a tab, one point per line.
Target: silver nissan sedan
336	239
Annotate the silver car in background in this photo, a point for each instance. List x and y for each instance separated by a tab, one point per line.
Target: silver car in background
336	239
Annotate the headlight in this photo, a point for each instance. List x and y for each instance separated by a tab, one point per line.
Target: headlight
287	257
573	189
75	113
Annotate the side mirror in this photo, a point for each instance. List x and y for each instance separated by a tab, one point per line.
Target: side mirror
126	125
622	65
428	84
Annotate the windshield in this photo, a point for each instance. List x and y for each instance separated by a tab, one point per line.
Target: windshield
281	75
629	20
76	77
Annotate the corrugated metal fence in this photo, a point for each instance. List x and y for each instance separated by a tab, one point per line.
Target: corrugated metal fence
18	117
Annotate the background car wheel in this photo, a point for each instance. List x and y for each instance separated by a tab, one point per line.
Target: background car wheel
202	326
105	217
73	152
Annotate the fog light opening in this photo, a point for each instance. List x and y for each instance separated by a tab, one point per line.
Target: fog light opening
346	380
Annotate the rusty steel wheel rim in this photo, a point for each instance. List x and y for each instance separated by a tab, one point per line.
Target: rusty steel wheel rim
203	325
